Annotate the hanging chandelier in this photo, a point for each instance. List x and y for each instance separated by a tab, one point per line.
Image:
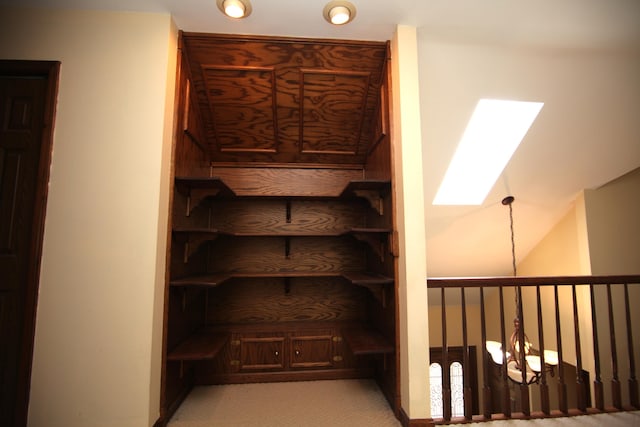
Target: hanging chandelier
523	361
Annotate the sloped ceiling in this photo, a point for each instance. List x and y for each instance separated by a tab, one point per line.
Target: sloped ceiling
580	57
286	101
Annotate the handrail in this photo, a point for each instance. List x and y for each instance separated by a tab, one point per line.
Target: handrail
520	388
474	282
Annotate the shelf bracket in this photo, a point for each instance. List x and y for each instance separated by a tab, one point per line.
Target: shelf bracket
287	247
287	285
197	195
375	242
194	242
373	197
378	293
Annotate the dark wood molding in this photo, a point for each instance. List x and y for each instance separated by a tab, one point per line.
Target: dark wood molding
408	422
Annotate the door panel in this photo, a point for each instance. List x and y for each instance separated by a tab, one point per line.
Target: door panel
27	94
311	351
262	353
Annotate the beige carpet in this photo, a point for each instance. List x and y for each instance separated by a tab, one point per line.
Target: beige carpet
616	419
348	403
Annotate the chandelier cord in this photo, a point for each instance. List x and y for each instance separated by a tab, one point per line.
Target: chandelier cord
513	241
508	201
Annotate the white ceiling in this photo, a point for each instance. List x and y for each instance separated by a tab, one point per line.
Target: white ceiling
580	57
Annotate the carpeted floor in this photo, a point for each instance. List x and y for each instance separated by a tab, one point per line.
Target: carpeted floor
615	419
344	403
348	403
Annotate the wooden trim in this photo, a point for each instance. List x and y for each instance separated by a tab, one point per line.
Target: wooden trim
50	70
271	39
408	422
165	410
475	282
274	165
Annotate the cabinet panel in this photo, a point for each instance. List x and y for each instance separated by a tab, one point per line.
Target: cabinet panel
258	353
312	351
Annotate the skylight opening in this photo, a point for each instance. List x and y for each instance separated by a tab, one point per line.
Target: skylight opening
493	134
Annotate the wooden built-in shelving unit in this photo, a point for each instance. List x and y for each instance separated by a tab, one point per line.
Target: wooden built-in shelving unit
281	259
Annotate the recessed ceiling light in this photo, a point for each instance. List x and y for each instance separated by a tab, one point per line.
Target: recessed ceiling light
492	136
339	12
235	8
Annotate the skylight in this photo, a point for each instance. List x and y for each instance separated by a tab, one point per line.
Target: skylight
492	136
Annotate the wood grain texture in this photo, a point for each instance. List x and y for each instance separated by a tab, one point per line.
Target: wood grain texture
264	300
297	216
278	181
286	124
282	100
269	254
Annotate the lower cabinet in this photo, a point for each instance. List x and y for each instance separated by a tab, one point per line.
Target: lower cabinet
285	350
288	352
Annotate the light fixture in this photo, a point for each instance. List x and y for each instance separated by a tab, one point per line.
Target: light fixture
235	8
493	134
514	357
339	12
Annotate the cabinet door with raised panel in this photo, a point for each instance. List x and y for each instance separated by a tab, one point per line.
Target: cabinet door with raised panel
311	351
257	353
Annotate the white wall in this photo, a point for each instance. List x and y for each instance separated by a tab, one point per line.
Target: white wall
99	319
407	164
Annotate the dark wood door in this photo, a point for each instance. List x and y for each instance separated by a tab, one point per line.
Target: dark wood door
261	353
312	351
26	98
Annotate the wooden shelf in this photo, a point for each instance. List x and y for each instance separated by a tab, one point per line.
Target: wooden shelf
382	186
194	237
211	280
376	283
185	183
212	233
367	341
356	278
217	279
365	279
203	345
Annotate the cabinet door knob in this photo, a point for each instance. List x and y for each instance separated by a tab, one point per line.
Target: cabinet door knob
277	353
297	352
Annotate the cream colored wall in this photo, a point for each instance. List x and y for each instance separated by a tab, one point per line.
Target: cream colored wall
407	163
614	229
614	244
99	318
564	251
600	235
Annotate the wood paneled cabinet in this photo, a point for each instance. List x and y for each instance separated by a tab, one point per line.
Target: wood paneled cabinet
274	284
281	258
302	349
